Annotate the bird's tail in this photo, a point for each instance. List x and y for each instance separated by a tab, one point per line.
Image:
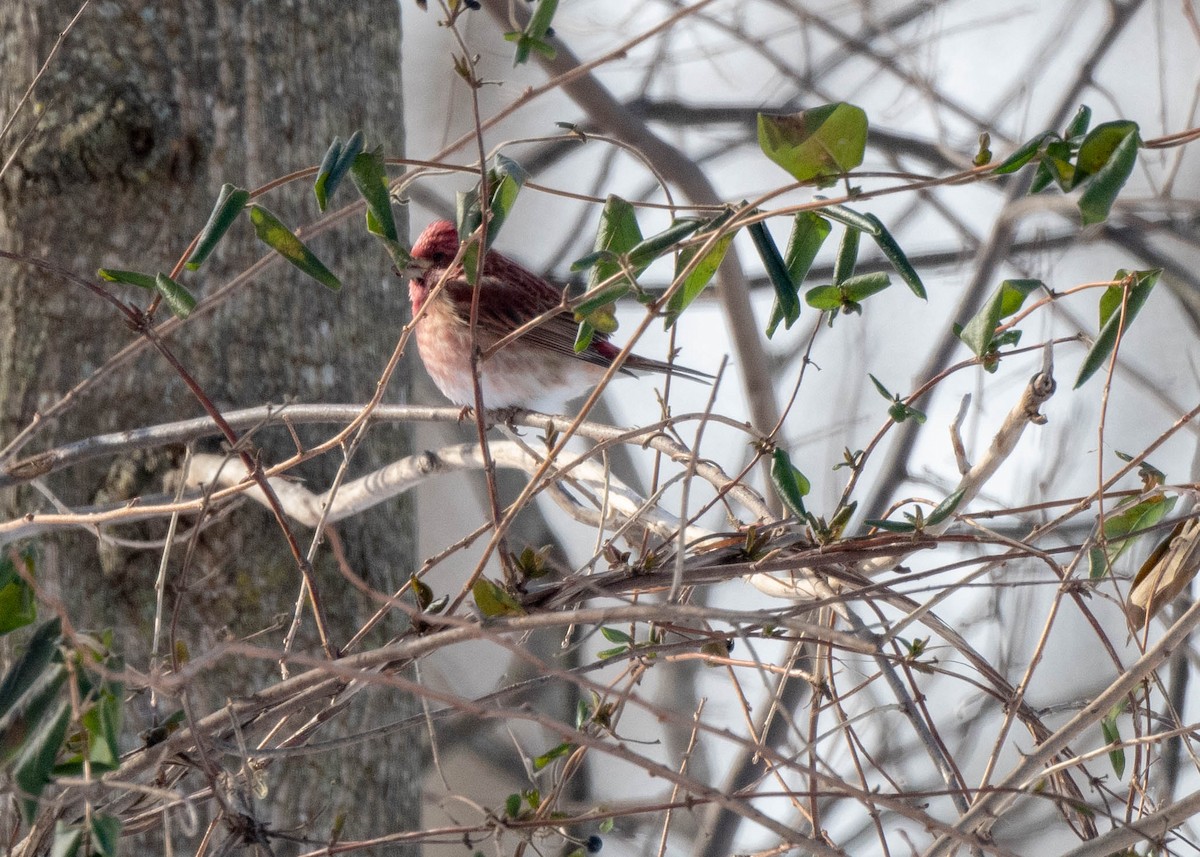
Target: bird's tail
636	363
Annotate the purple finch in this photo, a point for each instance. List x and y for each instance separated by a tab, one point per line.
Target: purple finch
539	370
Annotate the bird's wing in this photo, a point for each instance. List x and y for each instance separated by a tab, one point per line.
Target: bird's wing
510	305
516	296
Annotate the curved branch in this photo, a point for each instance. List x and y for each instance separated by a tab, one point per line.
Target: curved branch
354	497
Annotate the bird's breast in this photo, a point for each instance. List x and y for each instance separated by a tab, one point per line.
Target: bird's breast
518	375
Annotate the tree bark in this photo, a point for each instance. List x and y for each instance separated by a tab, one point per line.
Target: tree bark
148	108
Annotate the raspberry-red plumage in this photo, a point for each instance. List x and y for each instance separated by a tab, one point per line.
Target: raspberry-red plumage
540	369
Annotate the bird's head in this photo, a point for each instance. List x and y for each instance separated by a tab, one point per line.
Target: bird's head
437	245
435	248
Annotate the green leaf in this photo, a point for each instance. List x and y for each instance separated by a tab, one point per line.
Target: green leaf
1112	735
1004	301
369	174
33	769
131	278
1106	340
615	636
20	721
421	591
703	271
649	249
543	16
1110	302
822	143
525	44
271	231
618	234
1079	123
1025	153
338	159
67	838
1042	177
604	300
368	171
791	485
507	179
983	155
33	661
848	295
867	223
512	805
583	713
106	835
1099	147
1010	338
945	508
494	601
809	231
533	563
1118	526
584	336
230	202
1057	161
103	724
18	607
468	216
321	185
892	526
847	257
1150	475
787	299
1137	517
1013	293
179	299
101	721
898	411
1102	189
550	755
901	412
864	285
534	36
467	213
591	259
891	250
824	298
837	524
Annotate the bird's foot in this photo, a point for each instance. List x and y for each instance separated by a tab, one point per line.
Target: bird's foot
466	413
508	416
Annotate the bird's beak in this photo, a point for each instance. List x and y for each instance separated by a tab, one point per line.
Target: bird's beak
415	269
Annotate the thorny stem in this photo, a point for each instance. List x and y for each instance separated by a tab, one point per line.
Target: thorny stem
485	210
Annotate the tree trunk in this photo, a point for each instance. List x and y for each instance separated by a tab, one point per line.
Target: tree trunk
143	114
